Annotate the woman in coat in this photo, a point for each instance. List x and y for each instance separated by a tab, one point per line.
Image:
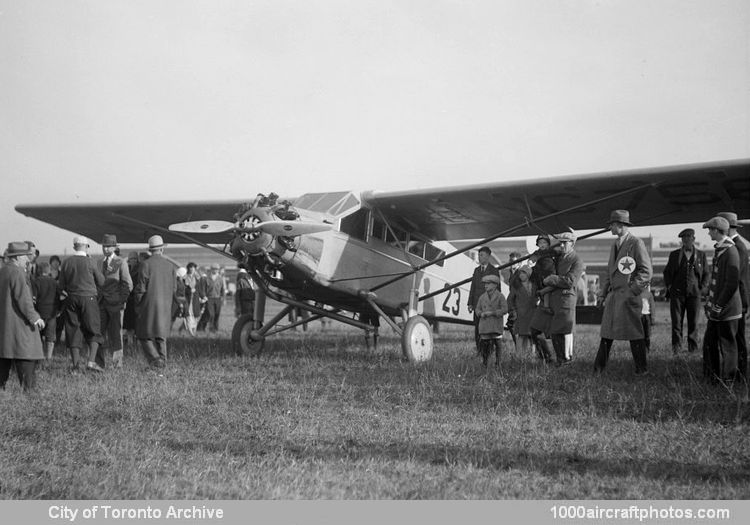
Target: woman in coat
20	344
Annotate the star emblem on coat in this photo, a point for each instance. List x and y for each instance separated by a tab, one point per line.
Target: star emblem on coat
626	265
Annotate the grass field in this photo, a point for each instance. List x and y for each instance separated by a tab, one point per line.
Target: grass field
319	416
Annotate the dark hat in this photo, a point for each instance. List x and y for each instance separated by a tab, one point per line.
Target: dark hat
622	216
18	248
720	223
485	249
687	231
491	279
109	239
155	242
731	217
542	236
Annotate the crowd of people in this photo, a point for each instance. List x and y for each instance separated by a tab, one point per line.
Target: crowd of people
95	305
94	301
543	292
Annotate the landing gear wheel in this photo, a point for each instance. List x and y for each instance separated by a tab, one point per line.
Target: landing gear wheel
416	341
243	342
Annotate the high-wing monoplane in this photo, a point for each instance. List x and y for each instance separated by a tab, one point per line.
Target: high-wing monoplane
349	257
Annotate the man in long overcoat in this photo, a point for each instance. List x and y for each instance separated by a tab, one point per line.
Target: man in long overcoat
741	244
153	291
628	274
20	323
564	295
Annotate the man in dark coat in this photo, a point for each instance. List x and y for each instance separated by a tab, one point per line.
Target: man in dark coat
113	296
686	279
723	307
742	250
628	275
153	291
20	344
477	288
563	294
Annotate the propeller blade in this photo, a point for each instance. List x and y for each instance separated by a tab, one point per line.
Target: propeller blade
290	228
202	227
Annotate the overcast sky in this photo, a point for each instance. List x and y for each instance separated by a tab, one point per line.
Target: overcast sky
174	99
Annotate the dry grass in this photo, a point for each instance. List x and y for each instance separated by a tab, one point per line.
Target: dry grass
320	417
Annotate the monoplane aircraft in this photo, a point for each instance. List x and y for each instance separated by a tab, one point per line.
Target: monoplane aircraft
350	257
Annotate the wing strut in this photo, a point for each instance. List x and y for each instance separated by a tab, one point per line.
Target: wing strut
507	232
179	234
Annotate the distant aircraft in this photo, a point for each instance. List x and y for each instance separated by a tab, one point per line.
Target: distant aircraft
350	257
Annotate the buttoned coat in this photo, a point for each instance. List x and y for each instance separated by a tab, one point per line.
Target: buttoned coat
496	306
477	288
19	338
741	244
724	290
523	301
564	296
621	319
153	291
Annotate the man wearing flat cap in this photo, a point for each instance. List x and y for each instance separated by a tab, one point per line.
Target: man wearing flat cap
154	289
742	246
686	278
113	295
628	275
563	294
20	324
477	288
79	281
723	307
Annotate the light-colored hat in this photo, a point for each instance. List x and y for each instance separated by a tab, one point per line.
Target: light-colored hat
720	223
18	248
215	266
491	279
731	218
687	231
81	240
525	269
565	236
155	242
242	270
622	216
181	271
109	239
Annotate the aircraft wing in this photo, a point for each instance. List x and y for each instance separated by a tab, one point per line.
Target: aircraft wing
666	195
133	222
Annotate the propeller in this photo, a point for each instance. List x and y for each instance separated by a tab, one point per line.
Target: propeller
283	228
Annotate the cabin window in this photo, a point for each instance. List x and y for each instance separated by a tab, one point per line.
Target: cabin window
432	253
378	229
395	237
416	247
356	224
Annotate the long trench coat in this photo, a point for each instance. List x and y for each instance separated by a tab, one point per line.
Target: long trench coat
153	291
19	339
563	297
628	274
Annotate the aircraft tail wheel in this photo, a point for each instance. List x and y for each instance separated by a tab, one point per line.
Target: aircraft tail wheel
245	340
416	341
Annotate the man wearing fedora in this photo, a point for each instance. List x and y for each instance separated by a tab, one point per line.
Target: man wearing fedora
20	324
79	281
686	280
742	245
724	306
154	289
628	275
113	295
563	294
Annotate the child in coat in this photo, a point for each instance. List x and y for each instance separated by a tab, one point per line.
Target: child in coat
491	310
46	299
